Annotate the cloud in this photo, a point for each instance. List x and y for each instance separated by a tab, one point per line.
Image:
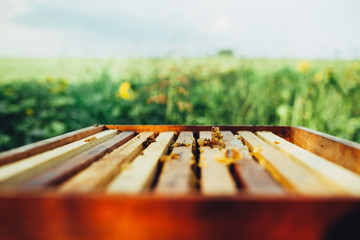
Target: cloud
253	28
12	8
20	41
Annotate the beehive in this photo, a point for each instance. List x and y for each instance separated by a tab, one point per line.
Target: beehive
180	182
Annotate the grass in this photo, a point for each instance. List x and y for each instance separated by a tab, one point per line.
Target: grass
40	98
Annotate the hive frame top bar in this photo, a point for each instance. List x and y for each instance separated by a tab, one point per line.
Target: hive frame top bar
337	150
340	151
47	144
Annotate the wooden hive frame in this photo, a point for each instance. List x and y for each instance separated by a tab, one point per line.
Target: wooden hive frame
37	214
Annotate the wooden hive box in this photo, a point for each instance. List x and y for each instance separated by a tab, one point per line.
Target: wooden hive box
182	182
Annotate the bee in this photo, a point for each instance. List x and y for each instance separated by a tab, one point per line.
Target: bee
215	141
228	156
90	139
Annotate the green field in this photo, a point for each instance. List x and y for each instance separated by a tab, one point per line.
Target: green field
40	98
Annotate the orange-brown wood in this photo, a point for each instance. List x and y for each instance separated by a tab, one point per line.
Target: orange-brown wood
150	217
344	179
67	169
176	176
45	145
292	175
40	215
138	175
337	150
253	177
216	178
99	174
48	144
13	174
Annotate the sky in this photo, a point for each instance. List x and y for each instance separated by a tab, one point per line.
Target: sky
307	29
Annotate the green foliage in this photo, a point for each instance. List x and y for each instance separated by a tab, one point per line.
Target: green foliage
321	95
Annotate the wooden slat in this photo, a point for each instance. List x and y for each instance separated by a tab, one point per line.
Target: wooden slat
254	178
232	142
290	174
18	172
176	177
72	166
141	172
47	144
335	174
337	150
100	173
215	178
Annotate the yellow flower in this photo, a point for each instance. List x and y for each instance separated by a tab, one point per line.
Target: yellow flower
125	91
318	77
303	66
49	79
29	112
59	86
64	83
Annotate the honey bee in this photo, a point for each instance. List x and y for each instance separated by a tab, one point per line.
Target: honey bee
215	141
90	139
228	156
172	156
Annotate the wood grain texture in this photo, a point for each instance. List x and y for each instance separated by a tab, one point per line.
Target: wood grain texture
18	172
337	150
335	174
253	177
176	177
148	217
67	169
290	174
46	145
99	174
145	216
215	178
140	173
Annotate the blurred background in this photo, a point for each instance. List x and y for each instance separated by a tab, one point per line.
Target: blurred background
67	64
